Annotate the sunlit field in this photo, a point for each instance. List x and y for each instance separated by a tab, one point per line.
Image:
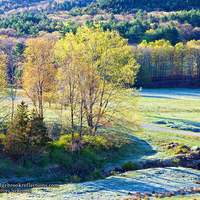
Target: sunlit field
152	107
178	108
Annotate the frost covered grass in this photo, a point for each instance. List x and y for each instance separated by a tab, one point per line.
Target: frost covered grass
179	108
119	186
183	198
172	93
173	106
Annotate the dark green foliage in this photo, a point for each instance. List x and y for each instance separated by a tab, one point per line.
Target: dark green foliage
19	49
5	165
171	34
44	161
61	157
26	134
130	166
89	156
29	164
20	171
143	77
29	24
119	6
95	175
145	38
101	18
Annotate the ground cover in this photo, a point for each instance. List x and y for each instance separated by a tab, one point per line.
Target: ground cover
119	186
144	145
171	108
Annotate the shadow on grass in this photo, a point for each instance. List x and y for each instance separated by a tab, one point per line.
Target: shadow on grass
157	179
186	122
134	151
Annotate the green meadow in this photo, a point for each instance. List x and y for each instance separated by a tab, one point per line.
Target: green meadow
153	107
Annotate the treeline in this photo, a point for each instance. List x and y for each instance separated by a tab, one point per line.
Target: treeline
123	6
160	59
30	23
136	29
178	27
173	27
51	6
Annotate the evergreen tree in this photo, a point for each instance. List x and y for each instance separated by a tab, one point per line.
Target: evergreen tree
26	134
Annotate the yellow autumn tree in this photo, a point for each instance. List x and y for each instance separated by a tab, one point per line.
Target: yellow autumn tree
3	72
3	85
93	65
39	71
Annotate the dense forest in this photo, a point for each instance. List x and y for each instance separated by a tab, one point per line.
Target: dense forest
50	6
29	23
119	6
178	27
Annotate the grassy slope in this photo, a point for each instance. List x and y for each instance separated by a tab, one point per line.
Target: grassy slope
179	106
145	143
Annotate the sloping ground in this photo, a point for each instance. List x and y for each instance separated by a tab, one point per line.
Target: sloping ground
116	187
174	93
171	131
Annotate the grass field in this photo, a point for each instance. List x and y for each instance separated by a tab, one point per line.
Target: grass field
179	108
154	106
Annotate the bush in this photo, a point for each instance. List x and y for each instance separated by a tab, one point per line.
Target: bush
75	179
27	133
6	166
89	156
61	157
176	160
29	165
95	175
45	161
181	148
20	171
130	166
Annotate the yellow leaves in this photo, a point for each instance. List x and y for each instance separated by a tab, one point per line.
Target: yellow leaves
92	64
38	69
3	73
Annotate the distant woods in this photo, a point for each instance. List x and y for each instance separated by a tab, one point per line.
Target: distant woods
164	65
124	6
28	24
176	27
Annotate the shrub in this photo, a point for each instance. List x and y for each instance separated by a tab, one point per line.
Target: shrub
95	175
184	150
29	165
20	171
130	166
6	166
89	156
26	134
61	157
176	160
181	148
45	161
75	179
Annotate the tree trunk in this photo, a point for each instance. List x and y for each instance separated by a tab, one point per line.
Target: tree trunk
40	103
80	131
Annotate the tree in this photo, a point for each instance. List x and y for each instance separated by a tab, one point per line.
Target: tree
26	134
38	71
15	73
143	77
3	85
93	65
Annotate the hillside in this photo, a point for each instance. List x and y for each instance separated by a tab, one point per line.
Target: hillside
8	7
